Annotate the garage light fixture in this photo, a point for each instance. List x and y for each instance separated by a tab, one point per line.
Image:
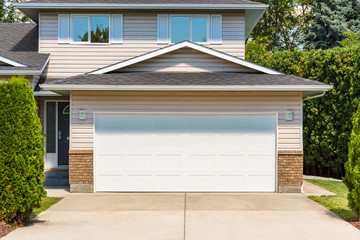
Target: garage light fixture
82	114
289	115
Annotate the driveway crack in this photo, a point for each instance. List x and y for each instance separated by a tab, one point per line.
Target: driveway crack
185	198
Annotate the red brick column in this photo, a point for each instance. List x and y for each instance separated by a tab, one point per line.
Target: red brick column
81	170
290	171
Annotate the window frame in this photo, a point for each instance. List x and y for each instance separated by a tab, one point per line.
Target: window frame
191	16
72	16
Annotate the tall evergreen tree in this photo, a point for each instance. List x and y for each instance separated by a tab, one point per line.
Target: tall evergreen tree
284	24
331	19
9	14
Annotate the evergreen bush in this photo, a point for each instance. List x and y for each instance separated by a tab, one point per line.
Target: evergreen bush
328	119
352	166
21	152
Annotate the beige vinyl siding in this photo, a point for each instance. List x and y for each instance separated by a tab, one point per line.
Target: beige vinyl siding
186	60
289	132
140	36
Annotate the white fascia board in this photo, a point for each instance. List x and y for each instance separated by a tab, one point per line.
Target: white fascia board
45	94
11	62
57	87
19	72
182	45
24	5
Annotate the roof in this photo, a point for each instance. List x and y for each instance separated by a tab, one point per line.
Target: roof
186	81
180	45
19	44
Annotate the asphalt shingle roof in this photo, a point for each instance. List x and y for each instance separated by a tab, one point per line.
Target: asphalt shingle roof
160	2
186	78
19	42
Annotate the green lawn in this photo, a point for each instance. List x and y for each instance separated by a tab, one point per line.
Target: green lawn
337	204
45	204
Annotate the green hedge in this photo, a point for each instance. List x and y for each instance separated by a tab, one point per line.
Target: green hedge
352	176
327	120
21	151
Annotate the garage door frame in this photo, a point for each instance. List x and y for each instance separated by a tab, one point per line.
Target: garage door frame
179	113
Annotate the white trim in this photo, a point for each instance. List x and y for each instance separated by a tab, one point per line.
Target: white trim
179	46
139	112
11	62
25	5
45	94
186	87
315	96
56	129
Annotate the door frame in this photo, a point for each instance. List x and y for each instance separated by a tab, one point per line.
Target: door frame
276	114
54	162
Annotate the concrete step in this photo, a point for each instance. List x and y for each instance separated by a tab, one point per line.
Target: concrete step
56	177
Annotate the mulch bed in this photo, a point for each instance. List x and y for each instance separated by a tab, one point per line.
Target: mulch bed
355	223
5	229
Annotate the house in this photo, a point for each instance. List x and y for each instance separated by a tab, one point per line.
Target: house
156	96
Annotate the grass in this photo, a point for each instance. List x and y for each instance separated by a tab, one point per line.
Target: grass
337	204
45	204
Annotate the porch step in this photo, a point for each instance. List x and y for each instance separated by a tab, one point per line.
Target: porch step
56	177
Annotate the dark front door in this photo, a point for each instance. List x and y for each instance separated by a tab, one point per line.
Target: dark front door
63	133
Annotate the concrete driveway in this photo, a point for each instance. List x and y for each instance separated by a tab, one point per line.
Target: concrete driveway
207	216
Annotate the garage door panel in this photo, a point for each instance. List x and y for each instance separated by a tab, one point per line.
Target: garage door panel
169	162
229	162
185	152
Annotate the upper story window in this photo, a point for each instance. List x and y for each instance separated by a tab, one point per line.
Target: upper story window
90	29
195	28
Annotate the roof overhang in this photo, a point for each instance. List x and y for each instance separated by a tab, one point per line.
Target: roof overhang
253	11
25	71
11	62
66	88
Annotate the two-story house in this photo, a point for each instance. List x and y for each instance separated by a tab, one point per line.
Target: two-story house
156	96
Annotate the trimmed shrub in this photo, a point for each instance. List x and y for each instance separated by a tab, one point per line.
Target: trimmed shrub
328	119
21	152
352	166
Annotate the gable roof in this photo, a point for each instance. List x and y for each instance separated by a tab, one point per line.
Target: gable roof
178	46
19	49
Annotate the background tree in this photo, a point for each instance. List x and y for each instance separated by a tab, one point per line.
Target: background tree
284	23
331	19
9	14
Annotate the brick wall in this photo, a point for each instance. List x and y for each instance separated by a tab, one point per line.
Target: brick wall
290	168
81	167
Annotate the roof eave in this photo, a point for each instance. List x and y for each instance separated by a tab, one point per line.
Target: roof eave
69	87
32	9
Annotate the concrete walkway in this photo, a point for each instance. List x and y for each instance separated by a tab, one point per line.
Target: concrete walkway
191	216
310	189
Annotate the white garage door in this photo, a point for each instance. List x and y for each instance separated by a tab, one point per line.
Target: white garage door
185	152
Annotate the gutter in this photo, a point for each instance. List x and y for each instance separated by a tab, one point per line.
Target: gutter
314	96
66	87
135	6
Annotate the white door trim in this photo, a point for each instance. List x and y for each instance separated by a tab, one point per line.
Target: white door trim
187	112
55	163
